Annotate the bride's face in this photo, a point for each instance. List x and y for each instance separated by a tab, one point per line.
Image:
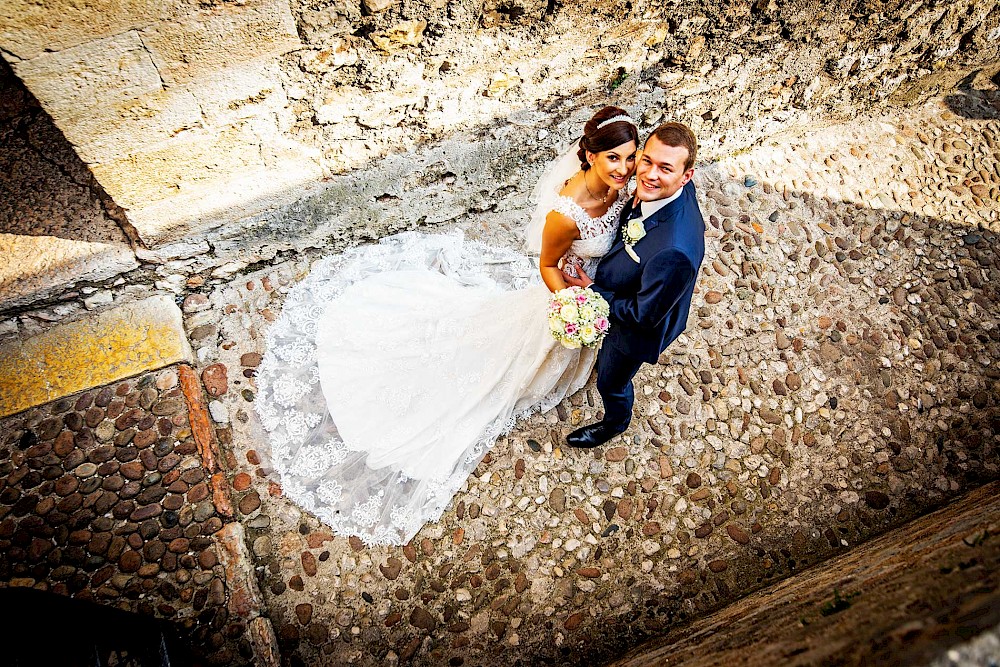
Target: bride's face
614	166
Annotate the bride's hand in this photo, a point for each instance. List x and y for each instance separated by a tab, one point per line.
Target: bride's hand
573	281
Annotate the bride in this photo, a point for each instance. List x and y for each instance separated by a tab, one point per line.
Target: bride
395	367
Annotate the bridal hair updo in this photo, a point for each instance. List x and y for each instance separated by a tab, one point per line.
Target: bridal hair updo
597	139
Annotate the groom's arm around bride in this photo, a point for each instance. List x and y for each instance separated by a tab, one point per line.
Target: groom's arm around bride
648	276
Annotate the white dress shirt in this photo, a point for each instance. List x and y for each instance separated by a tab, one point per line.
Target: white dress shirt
648	208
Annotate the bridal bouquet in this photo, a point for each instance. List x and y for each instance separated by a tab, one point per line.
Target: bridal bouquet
578	317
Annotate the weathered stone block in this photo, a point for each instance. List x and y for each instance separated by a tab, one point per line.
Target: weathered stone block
233	198
108	133
182	249
205	42
30	28
37	266
244	596
178	165
91	352
205	180
251	89
104	72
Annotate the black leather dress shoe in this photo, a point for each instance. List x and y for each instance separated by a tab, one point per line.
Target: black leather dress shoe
593	435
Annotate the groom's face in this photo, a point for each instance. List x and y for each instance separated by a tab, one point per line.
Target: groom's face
660	172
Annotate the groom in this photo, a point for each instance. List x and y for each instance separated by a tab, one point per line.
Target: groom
648	276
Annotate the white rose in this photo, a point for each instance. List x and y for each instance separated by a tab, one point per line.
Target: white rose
588	334
635	230
569	313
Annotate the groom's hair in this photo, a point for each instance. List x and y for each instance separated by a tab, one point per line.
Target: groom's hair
678	134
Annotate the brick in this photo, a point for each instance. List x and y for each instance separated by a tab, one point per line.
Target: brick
201	423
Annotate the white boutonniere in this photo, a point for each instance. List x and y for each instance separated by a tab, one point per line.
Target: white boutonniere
633	233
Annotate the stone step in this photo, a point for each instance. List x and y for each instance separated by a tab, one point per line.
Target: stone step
38	267
55	227
116	343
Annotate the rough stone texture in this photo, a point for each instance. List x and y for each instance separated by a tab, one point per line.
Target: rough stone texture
126	340
41	266
204	43
183	104
98	502
265	644
54	229
723	483
231	118
244	598
110	71
28	29
902	599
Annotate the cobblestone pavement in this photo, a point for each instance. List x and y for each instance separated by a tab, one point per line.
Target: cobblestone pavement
109	495
838	378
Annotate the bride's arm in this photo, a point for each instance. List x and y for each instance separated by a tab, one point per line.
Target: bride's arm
557	236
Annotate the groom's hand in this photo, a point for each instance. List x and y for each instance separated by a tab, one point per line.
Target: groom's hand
582	281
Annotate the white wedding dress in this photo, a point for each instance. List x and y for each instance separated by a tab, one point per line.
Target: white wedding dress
393	368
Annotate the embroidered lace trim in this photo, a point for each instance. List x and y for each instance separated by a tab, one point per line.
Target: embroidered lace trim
359	489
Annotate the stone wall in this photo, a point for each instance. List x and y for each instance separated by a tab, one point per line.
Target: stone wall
177	107
260	125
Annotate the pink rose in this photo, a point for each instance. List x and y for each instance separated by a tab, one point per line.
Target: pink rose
602	324
581	298
570	328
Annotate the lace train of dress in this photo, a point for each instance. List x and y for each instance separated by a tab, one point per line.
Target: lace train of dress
393	368
442	376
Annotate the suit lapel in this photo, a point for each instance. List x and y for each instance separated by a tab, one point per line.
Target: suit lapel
649	223
654	220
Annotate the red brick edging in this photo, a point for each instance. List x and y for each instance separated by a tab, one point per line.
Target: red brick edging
201	423
244	597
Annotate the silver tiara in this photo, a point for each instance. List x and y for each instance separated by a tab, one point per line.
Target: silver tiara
627	119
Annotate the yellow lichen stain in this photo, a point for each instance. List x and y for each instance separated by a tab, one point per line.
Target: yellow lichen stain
80	355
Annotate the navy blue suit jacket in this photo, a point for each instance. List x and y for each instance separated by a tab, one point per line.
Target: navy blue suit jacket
650	300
